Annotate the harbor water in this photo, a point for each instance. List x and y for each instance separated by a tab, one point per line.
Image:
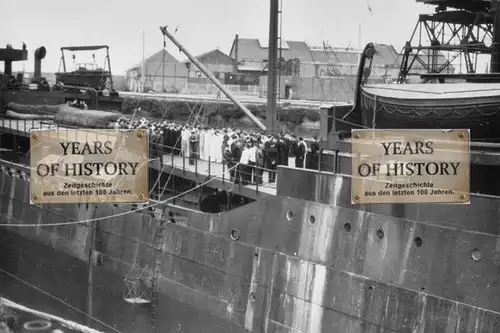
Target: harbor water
36	276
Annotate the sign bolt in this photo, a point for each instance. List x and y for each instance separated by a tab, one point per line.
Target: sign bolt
461	135
142	196
35	197
34	136
356	136
140	134
462	196
356	197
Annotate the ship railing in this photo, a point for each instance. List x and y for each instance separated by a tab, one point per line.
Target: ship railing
23	168
25	125
9	125
227	170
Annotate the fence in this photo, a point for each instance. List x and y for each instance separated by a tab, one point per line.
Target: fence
211	89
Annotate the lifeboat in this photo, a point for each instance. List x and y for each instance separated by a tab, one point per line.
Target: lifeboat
454	105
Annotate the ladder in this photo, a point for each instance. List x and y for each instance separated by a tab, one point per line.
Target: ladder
158	252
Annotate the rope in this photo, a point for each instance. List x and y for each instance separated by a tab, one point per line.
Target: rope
159	202
59	300
465	110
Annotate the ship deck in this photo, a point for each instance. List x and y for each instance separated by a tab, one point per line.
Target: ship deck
175	165
218	174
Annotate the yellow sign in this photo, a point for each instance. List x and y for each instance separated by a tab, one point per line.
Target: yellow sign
89	166
410	166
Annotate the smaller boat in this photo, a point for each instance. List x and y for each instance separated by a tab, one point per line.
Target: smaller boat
442	105
449	105
86	74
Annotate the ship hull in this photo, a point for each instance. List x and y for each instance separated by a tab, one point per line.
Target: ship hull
474	106
305	260
54	98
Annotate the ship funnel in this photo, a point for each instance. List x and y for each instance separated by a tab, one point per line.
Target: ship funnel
40	53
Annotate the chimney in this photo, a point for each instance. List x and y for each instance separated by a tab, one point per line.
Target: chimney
40	53
236	44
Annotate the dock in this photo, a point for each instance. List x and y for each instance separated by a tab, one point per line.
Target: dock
213	98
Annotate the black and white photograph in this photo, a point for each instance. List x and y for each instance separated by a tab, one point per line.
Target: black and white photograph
284	166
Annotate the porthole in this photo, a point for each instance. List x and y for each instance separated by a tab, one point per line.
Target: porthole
418	241
289	215
347	227
235	234
37	325
312	219
476	254
380	233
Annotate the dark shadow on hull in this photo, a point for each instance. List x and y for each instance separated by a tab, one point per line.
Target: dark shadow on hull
64	277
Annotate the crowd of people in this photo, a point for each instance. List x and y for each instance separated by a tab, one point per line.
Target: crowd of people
246	154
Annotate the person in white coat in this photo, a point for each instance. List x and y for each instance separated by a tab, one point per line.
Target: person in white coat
185	134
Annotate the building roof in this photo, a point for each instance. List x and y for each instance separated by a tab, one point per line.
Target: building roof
157	58
251	50
213	56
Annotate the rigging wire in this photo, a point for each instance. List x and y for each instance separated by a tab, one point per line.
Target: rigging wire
170	105
159	202
328	46
171	171
165	165
60	300
319	76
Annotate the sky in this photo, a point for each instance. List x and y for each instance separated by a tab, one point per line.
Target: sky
203	25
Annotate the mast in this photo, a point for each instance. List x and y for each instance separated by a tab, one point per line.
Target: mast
272	68
143	75
495	45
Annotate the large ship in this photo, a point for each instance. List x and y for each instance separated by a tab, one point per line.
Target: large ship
296	256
